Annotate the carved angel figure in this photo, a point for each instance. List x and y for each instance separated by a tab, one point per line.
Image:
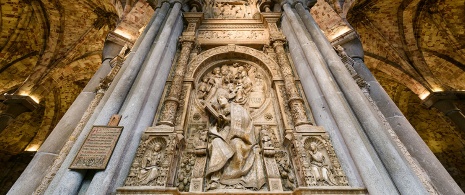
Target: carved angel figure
234	153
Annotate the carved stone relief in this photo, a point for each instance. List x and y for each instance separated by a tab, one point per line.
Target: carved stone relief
231	9
233	34
152	162
233	115
318	163
233	118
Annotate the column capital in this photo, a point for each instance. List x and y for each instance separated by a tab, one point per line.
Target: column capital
23	100
436	97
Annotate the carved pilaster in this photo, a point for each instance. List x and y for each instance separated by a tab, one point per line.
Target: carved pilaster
172	102
295	101
168	114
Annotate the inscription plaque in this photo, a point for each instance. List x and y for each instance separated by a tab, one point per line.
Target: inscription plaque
97	148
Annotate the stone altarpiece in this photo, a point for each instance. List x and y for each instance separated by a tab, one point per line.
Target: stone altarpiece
233	117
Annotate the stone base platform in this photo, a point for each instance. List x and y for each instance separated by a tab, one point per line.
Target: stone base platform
145	190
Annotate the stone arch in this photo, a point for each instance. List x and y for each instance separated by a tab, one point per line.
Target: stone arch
230	51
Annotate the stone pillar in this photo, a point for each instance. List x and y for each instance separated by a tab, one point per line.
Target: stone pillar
113	102
295	102
440	178
133	104
323	116
366	160
406	180
148	111
47	153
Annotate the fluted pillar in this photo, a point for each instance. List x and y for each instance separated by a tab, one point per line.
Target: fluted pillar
371	169
134	102
113	102
440	178
406	180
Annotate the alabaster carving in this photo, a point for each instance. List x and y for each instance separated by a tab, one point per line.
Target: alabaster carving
233	111
233	34
255	55
235	161
152	162
185	172
240	82
285	170
231	9
318	161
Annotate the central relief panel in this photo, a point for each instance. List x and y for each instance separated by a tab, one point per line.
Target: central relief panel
232	121
233	118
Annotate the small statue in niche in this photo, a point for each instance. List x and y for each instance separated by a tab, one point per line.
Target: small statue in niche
151	163
320	165
235	162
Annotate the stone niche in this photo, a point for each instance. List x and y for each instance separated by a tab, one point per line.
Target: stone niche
234	128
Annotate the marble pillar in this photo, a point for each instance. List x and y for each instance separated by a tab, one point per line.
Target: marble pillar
134	103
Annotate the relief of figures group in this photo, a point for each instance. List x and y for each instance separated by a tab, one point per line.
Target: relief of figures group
234	144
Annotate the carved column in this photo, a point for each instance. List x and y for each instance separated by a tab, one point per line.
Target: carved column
171	105
172	102
295	101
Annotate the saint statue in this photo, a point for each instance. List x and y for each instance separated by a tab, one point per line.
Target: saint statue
151	164
320	167
234	151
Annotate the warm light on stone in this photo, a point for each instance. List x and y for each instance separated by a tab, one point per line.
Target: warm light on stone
424	95
124	34
32	148
34	98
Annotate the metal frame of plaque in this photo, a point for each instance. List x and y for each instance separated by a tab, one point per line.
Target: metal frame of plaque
96	150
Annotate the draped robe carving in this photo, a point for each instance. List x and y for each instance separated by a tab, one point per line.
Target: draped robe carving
234	151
